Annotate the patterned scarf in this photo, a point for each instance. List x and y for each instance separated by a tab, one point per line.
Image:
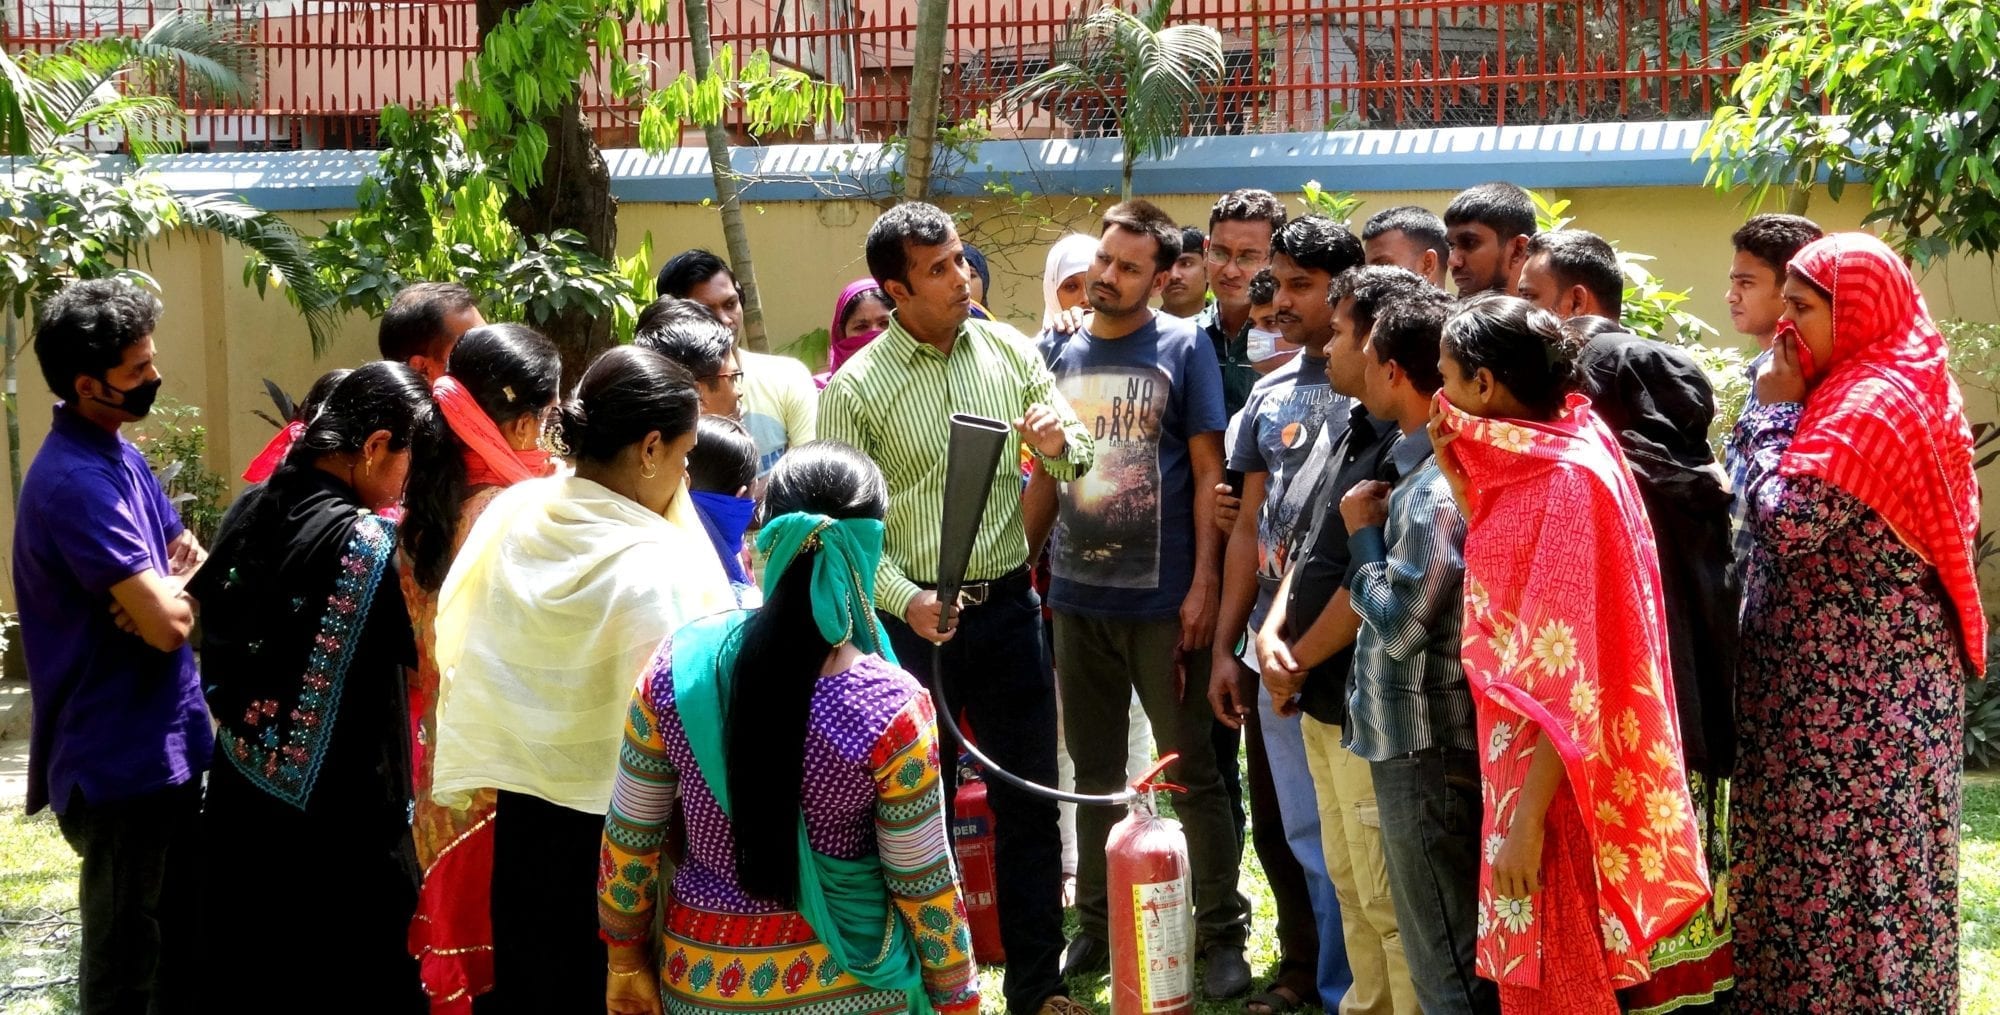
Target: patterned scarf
1565	635
1885	422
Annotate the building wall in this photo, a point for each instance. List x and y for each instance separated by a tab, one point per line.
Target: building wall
218	341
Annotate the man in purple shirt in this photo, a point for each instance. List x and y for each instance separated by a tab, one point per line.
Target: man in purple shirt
121	734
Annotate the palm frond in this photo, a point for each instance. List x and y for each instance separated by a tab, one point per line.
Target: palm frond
279	255
212	55
1166	74
20	98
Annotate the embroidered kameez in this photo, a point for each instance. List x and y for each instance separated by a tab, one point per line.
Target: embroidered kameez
305	639
871	786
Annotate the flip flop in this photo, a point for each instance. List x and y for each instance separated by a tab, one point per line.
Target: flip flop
1278	1000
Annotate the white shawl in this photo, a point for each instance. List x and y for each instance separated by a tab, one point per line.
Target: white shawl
551	609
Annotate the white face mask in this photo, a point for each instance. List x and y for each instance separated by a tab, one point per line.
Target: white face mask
1263	344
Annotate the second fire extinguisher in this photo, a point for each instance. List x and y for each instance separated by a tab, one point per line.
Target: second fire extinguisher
972	838
1152	907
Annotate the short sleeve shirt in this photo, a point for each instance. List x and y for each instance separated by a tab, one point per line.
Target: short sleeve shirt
1123	545
114	718
1274	435
780	405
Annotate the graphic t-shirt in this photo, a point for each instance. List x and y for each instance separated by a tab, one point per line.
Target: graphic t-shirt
1123	544
1275	434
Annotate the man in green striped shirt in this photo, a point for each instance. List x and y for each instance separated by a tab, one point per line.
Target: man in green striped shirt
894	400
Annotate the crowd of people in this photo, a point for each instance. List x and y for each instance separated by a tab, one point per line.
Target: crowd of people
615	693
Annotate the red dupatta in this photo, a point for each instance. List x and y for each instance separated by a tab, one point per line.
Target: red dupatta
1885	421
1565	634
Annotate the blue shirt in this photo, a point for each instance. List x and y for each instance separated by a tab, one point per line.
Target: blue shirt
1738	465
113	717
1123	545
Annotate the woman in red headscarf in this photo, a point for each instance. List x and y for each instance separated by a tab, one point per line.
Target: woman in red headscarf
1861	617
1591	850
502	380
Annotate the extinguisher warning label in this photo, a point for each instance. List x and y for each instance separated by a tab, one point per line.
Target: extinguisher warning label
1166	973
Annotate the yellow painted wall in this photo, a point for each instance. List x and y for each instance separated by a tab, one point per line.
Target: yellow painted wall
218	341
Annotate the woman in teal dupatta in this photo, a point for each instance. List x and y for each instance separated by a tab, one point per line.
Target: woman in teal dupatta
791	768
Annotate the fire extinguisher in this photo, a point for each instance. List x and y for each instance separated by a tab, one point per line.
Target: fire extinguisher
1152	907
972	840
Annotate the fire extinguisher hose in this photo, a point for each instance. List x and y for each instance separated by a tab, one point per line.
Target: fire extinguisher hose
993	770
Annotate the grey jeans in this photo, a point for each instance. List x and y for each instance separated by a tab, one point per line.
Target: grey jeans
1431	813
1099	662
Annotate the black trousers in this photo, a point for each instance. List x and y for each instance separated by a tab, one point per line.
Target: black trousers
997	676
136	894
547	957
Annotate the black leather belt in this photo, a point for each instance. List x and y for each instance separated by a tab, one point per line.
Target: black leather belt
976	593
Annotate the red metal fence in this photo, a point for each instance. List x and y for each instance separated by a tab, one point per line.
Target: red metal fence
329	66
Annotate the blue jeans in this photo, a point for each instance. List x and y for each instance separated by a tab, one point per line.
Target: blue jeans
1431	812
1285	746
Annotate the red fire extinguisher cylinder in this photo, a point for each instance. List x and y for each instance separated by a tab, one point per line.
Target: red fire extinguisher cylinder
972	839
1151	908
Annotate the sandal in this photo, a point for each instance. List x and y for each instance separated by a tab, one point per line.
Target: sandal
1276	1001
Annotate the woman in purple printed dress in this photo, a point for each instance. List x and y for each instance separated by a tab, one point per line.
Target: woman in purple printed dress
1861	615
796	776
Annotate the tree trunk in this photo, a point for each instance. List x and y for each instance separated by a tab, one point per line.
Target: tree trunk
926	74
574	193
728	200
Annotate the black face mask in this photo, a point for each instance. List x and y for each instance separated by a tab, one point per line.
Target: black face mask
137	400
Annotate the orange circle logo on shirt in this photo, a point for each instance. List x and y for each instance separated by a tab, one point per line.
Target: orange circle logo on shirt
1293	435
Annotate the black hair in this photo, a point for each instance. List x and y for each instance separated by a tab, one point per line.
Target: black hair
1502	207
626	394
1578	257
778	668
724	459
1318	243
511	371
912	223
316	395
1407	330
853	305
672	310
86	328
1588	326
1419	224
1523	345
1373	286
688	269
414	323
1263	288
1776	238
383	395
1146	219
1248	205
701	344
1192	241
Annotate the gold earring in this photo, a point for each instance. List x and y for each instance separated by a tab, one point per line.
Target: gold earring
649	471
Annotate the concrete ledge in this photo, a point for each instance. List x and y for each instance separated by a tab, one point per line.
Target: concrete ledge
1566	155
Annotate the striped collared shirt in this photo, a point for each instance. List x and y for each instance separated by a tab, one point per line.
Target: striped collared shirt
1409	691
894	401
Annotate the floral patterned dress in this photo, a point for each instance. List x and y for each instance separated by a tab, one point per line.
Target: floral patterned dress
1564	639
871	786
1846	797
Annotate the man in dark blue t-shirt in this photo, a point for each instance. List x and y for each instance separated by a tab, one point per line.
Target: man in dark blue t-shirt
1136	559
120	735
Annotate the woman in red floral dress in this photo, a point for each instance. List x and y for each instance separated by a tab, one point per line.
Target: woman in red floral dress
1591	848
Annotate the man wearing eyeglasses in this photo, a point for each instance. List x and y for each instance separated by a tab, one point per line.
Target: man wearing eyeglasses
705	346
1240	227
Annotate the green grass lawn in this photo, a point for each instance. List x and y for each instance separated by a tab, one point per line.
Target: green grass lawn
38	898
